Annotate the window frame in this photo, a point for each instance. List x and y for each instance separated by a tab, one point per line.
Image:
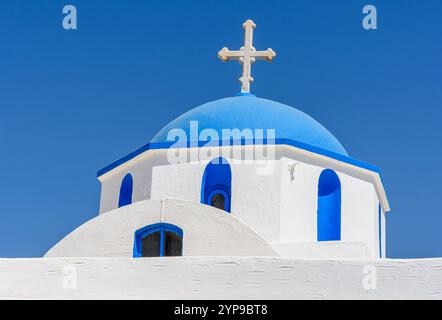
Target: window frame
153	228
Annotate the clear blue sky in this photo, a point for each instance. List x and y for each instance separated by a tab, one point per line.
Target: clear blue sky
71	102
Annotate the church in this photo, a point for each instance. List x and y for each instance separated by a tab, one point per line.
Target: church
239	176
239	198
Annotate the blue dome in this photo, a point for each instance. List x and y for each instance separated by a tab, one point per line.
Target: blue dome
250	112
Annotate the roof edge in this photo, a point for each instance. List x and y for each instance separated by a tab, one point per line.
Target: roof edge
242	142
279	141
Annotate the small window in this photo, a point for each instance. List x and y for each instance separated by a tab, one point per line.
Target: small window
158	240
218	201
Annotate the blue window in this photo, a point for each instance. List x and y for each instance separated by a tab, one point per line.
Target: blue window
216	188
126	191
329	206
158	240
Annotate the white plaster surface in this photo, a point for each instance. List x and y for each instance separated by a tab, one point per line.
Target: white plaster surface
207	231
219	278
359	213
322	250
142	166
280	206
299	197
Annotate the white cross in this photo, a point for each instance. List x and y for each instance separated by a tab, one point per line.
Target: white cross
246	55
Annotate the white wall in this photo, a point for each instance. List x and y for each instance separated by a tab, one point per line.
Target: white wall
141	171
207	231
179	181
274	206
298	201
322	250
359	213
359	209
384	234
220	278
256	199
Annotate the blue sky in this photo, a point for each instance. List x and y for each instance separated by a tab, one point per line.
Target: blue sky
72	102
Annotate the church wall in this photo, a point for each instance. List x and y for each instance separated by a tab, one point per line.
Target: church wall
219	278
141	170
322	250
298	201
359	206
110	187
179	181
276	207
384	234
256	198
359	220
207	231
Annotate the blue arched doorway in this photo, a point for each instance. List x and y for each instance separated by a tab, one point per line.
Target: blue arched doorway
126	191
216	188
329	206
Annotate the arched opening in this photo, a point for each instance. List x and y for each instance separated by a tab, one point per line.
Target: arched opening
329	206
126	191
218	201
158	240
216	188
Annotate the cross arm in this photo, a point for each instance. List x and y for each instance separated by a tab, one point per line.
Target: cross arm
268	55
225	54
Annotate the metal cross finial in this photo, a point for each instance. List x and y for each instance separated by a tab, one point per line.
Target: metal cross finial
246	55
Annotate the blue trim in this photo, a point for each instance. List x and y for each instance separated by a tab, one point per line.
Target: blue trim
126	190
278	141
161	242
244	94
380	231
217	178
329	206
158	227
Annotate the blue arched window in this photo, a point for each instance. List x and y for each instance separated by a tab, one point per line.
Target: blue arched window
158	240
329	206
126	191
216	188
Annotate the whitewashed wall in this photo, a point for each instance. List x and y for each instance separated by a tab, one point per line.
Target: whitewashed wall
276	206
359	207
207	231
256	199
298	201
359	213
220	278
383	234
179	181
322	250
